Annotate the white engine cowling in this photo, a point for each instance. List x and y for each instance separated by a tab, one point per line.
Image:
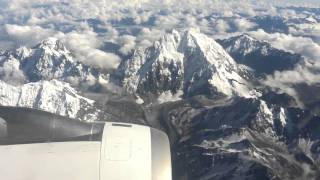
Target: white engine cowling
47	147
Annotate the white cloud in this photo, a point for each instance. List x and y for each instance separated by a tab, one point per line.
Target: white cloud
306	73
10	73
306	29
85	46
85	25
285	81
301	45
243	25
27	35
26	22
147	36
167	96
221	26
102	59
128	44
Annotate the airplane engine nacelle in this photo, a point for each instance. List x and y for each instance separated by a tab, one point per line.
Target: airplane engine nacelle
141	151
41	146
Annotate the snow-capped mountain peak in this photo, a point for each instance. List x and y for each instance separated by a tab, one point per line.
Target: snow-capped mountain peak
210	51
194	40
189	61
245	44
53	45
22	52
52	96
259	55
50	59
169	41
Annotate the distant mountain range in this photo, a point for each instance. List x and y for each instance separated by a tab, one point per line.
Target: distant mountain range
179	64
259	55
206	94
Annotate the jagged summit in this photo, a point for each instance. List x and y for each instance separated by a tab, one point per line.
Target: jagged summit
51	42
259	55
53	46
189	62
245	44
50	59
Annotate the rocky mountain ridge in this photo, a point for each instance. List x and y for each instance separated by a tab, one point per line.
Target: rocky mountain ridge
258	55
51	96
189	63
48	60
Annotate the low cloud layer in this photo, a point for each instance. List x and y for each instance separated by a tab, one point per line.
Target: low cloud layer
306	73
295	44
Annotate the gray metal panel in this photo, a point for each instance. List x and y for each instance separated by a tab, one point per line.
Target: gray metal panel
161	156
24	125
